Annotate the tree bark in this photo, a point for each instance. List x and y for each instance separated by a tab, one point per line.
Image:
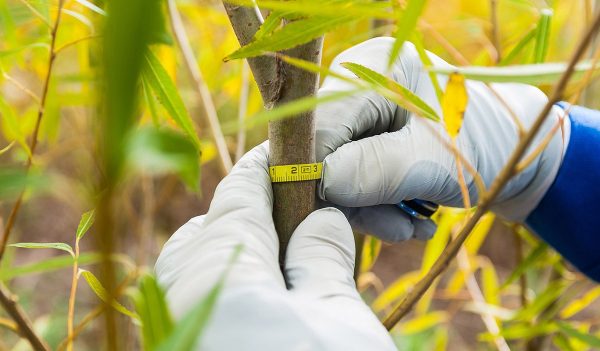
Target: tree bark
292	140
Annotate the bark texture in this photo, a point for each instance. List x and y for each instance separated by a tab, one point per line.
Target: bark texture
292	141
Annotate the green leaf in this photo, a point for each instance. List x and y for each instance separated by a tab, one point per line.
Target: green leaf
9	52
101	292
162	85
58	246
542	36
48	265
11	126
87	220
163	151
519	47
407	20
402	96
151	306
186	334
272	22
291	35
533	257
536	74
150	103
543	300
588	339
287	110
92	7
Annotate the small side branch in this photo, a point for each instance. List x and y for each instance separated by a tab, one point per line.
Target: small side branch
15	311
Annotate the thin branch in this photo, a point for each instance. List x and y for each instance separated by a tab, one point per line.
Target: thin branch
210	112
34	138
242	108
9	302
266	69
76	41
72	295
22	87
485	202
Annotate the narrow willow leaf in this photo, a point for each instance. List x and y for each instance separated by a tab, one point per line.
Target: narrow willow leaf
523	331
397	289
152	308
532	258
407	20
562	342
57	246
479	233
150	103
287	110
92	7
454	104
579	304
11	127
402	97
537	74
588	339
6	53
14	181
489	284
418	42
187	332
272	22
86	221
48	265
371	249
101	292
164	151
519	47
543	300
424	322
330	8
162	85
291	35
542	36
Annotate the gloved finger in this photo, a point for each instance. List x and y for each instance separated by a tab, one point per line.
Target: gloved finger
388	223
239	214
320	256
376	170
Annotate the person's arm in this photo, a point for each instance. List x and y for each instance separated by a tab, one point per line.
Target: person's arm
568	217
376	154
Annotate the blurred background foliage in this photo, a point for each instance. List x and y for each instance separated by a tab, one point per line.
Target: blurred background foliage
504	276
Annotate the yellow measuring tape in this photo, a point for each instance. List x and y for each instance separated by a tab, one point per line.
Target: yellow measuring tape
295	173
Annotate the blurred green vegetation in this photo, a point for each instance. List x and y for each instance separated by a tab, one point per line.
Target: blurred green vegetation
145	139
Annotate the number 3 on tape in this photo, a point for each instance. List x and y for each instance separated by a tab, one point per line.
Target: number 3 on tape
295	173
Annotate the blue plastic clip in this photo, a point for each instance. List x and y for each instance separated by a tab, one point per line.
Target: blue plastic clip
419	209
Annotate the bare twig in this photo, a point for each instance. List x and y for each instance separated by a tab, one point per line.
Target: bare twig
34	138
486	200
74	42
243	106
9	302
210	112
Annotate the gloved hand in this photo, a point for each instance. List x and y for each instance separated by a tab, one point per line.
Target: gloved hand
377	154
319	310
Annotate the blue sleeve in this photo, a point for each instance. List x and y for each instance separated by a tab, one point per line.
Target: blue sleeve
568	217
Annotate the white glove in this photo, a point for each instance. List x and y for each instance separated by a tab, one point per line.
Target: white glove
377	154
319	310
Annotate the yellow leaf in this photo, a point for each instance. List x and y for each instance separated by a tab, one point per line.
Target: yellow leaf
454	103
371	249
395	291
424	322
581	303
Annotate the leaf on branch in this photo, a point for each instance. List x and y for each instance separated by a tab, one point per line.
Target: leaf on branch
579	304
536	74
57	246
454	104
407	20
101	292
151	306
158	79
401	95
587	338
87	220
291	35
542	36
371	249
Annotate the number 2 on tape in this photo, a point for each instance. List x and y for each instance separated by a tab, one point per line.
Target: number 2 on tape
295	173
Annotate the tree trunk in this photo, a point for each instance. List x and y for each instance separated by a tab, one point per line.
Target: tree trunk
292	140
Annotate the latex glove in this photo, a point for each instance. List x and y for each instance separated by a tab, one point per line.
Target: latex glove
319	310
377	154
